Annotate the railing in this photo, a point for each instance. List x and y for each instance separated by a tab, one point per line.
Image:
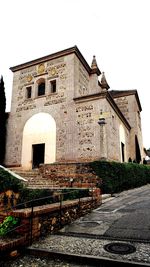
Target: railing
57	198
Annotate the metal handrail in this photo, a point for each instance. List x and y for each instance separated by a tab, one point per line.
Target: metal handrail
39	199
32	202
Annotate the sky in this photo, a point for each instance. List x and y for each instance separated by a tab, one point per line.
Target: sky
117	32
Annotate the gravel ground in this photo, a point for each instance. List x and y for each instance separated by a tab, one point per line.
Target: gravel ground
93	247
30	261
78	246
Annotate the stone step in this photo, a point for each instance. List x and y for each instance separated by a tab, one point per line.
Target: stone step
42	187
59	175
34	179
68	176
31	178
39	183
24	174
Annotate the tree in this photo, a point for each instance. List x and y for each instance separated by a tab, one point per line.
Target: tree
2	121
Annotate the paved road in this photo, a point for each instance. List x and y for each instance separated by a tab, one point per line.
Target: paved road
125	216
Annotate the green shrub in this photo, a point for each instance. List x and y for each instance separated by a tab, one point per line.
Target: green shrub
8	181
30	196
36	197
8	224
117	177
75	193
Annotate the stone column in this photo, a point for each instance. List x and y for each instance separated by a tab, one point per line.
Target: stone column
103	141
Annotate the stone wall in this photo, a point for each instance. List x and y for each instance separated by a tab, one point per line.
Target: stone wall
44	220
50	218
129	107
74	175
52	103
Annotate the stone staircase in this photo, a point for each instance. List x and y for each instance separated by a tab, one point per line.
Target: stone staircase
59	175
35	179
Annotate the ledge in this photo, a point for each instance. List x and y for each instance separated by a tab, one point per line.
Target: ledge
26	213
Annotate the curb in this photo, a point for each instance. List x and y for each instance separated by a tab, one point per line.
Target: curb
106	197
86	259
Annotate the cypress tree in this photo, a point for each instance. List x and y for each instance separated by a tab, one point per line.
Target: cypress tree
2	121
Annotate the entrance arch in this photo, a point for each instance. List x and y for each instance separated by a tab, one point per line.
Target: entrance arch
39	141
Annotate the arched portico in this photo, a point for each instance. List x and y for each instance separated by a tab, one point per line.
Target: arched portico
39	141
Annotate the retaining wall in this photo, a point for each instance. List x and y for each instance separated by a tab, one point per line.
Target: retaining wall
47	219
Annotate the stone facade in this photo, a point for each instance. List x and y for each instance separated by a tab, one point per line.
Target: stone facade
129	104
73	115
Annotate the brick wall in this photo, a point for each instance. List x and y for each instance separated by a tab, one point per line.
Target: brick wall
50	218
76	175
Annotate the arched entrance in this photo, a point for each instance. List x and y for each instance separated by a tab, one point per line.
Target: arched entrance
39	141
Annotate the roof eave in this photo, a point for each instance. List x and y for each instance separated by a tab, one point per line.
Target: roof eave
127	93
62	53
118	111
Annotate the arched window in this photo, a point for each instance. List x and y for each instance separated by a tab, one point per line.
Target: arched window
41	87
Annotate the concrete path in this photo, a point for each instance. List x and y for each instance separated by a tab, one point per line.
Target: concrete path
125	216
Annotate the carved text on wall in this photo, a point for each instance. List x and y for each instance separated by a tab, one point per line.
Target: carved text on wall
85	129
83	81
55	99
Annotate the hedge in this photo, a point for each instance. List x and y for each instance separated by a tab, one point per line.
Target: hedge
117	177
8	181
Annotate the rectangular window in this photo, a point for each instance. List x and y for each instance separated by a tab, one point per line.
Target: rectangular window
41	89
28	91
53	86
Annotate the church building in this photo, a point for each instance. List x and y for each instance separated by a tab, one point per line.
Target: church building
63	110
